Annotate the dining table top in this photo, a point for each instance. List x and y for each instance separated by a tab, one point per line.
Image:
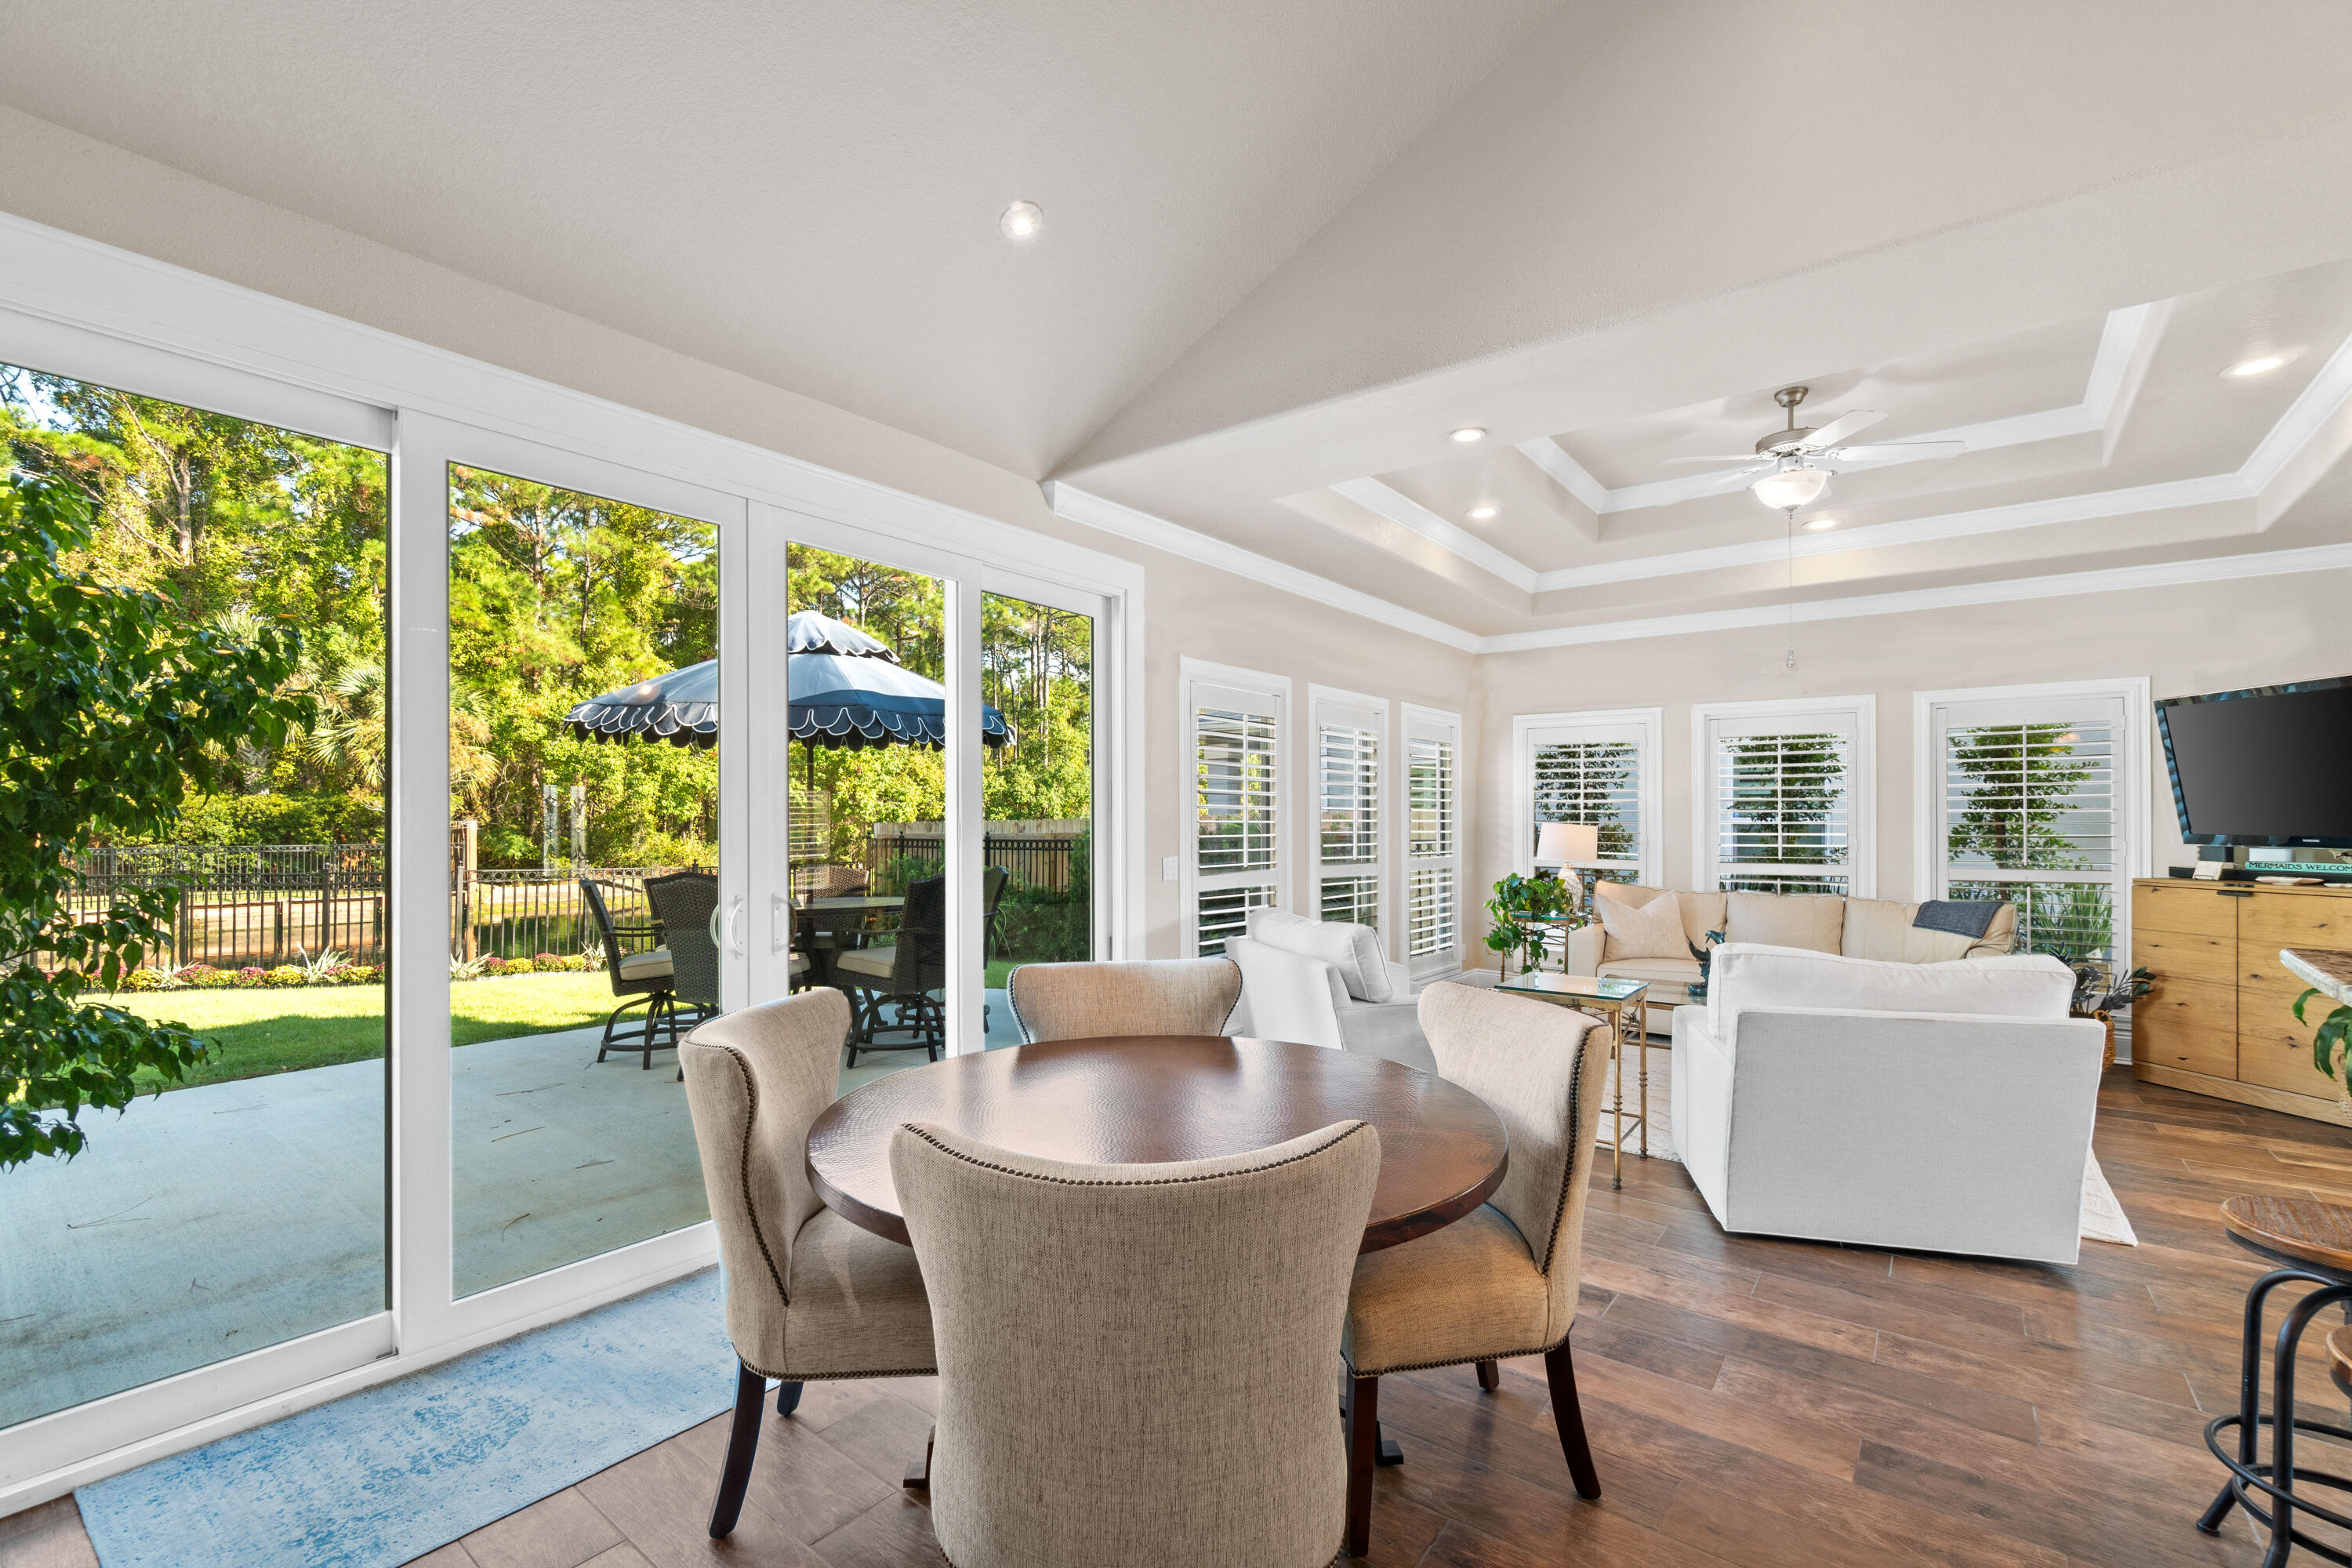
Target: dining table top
1155	1098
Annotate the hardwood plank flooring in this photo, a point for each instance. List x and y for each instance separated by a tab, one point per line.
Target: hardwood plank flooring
1751	1401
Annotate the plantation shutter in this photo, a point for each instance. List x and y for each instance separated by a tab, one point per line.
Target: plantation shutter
1782	792
1432	842
1591	769
1349	870
2028	812
1236	843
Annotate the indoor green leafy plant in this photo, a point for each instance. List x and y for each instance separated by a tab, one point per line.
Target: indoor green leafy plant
1519	902
2331	1043
114	707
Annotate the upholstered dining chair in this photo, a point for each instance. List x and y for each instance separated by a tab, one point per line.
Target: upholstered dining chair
1134	997
1135	1361
809	1295
1503	1280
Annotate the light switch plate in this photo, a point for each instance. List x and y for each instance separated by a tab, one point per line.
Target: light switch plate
1170	869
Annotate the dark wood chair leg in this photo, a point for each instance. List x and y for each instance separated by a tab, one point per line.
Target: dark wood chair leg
1363	1454
1490	1376
1569	1416
742	1443
788	1399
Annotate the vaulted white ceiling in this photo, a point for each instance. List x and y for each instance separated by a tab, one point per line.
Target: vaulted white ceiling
1289	244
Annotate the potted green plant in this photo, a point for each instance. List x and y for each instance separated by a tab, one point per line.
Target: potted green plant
1519	905
2101	990
2330	1043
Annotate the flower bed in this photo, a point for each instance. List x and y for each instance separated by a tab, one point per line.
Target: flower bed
206	978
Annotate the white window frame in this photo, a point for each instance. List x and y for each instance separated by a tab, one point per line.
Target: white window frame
1443	723
2134	857
1197	680
1857	716
1354	709
1645	726
76	308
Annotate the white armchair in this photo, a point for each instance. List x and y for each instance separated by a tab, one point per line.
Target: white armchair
1311	996
1943	1107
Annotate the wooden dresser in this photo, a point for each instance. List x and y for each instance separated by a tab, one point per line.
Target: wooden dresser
2219	1019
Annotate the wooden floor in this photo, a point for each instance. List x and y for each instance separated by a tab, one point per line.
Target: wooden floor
1765	1404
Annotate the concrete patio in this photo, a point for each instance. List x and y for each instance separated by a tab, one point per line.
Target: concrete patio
220	1219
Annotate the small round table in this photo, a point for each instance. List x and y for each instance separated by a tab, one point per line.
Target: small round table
2313	1243
1152	1099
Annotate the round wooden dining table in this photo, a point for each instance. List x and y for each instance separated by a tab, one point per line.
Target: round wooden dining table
1153	1099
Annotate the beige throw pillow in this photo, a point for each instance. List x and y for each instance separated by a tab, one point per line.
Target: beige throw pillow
1654	929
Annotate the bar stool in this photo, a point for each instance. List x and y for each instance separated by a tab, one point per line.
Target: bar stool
2313	1243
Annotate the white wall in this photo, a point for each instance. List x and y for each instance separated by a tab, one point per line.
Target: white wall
2207	637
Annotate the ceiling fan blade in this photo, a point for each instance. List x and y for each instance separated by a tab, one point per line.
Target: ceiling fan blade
1729	480
1839	428
1742	458
1896	451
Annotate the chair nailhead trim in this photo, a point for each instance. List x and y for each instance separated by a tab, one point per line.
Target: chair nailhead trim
1161	1182
743	1168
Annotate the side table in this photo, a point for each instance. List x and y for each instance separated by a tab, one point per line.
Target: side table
2313	1242
1624	1007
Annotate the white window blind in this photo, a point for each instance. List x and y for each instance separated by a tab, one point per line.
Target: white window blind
1349	863
2028	811
1432	841
1237	828
1784	800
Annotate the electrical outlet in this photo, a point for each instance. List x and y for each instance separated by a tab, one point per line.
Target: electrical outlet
1170	869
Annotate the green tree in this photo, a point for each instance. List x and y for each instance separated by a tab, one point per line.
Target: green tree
112	705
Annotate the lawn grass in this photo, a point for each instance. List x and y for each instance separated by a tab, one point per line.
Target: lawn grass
257	1032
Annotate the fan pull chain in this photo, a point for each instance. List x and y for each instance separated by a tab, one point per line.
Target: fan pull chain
1791	587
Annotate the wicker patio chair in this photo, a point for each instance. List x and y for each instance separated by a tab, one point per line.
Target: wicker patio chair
903	976
684	902
639	977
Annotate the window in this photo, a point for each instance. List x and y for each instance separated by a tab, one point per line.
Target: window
1432	742
1348	837
1596	767
1235	719
1785	797
2028	796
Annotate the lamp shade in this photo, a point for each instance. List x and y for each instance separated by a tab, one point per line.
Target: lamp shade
1567	843
1784	489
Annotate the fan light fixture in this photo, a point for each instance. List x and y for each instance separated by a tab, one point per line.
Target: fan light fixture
1787	489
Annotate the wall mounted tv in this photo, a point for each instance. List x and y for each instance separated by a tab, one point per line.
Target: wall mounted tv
2272	766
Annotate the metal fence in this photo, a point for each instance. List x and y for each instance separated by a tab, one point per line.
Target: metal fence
519	914
1031	859
252	904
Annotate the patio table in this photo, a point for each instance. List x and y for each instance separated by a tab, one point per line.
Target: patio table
848	913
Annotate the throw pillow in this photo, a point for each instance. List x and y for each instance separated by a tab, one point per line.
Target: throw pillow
1354	950
1654	929
1811	920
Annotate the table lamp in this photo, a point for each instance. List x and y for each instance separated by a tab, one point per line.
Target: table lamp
1567	843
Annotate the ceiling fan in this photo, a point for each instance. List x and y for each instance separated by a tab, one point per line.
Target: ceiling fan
1790	467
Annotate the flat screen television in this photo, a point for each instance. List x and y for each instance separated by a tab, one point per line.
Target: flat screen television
2270	765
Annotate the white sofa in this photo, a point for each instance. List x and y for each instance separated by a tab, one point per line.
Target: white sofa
1821	923
1942	1107
1325	983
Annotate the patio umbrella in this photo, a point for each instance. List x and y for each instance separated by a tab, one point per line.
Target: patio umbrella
844	689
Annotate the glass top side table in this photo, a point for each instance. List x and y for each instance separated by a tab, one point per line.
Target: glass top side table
1624	1007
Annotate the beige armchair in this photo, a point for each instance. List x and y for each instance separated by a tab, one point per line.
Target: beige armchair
1139	996
1501	1282
1135	1361
809	1295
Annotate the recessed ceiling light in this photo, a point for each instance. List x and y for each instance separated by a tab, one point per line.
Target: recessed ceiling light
1469	433
1821	523
1481	513
1022	220
2256	366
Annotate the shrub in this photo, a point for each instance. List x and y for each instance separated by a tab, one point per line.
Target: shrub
546	961
521	966
151	980
575	963
496	966
205	977
250	976
285	975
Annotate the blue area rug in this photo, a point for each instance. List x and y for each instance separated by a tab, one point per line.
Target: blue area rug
383	1476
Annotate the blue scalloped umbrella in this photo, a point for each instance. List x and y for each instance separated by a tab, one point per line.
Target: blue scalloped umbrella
844	689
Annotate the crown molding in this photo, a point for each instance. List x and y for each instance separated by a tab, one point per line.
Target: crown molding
1552	459
1373	495
1142	527
2064	584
